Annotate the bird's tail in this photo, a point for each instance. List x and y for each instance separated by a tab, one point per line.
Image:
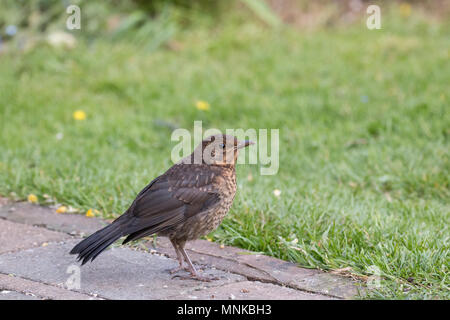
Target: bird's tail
92	246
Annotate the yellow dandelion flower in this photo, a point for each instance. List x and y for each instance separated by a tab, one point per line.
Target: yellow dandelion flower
90	213
61	209
79	115
202	105
405	9
32	198
209	239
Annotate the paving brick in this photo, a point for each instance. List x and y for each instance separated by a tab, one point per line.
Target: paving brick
16	236
250	290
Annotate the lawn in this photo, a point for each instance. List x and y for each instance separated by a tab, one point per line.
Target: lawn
364	137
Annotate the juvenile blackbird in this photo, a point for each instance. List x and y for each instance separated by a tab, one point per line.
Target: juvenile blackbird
186	202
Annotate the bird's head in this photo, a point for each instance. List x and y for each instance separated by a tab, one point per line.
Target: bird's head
219	149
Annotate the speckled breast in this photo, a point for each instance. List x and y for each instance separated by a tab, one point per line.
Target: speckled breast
204	222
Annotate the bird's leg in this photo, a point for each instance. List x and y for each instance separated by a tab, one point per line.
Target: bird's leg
192	270
179	258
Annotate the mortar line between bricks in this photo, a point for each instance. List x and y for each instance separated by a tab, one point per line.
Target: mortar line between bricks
31	247
50	285
76	234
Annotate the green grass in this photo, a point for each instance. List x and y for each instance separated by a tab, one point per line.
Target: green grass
364	137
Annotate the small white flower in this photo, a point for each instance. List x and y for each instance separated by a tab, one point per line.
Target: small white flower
277	192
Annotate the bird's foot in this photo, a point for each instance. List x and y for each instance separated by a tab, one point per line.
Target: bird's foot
178	269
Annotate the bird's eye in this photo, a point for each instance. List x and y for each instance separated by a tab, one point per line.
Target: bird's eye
222	145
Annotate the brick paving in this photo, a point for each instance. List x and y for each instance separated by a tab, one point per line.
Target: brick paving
35	264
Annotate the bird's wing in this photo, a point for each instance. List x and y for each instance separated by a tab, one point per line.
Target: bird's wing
180	193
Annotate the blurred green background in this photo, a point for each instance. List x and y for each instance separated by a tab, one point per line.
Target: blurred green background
87	115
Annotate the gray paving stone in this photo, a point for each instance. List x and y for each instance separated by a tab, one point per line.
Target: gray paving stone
26	213
16	236
250	290
119	273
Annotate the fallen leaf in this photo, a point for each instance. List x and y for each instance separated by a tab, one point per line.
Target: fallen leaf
61	209
90	213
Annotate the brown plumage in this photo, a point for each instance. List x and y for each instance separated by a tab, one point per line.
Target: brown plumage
186	202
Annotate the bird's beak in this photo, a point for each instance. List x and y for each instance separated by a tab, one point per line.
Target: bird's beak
243	144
